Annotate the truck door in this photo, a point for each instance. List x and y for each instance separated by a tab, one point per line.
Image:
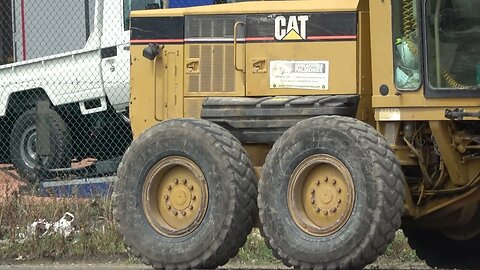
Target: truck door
115	52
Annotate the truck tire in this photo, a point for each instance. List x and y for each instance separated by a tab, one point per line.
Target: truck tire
440	251
185	195
331	194
23	144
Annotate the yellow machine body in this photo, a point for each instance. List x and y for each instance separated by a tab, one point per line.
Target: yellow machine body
237	51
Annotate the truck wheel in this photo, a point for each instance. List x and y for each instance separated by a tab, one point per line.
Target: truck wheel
440	251
185	195
23	144
331	194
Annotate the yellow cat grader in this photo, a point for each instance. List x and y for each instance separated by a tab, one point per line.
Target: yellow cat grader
328	124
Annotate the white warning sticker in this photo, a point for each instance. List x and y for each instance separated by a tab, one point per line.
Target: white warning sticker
299	74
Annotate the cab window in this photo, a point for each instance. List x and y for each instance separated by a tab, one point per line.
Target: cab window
406	43
453	44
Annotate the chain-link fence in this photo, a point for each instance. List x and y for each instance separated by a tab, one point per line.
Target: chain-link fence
64	86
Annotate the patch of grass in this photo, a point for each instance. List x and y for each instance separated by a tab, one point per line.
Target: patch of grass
97	236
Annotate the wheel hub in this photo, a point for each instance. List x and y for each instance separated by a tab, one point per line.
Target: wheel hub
175	196
321	195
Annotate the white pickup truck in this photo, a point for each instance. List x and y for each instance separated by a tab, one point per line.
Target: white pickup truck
88	88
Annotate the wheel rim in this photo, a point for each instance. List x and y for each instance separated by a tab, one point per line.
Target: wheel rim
175	196
28	146
321	195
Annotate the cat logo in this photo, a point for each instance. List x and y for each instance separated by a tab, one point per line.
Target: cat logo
291	27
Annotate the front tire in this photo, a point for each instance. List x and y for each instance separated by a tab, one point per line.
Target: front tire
185	195
23	144
331	195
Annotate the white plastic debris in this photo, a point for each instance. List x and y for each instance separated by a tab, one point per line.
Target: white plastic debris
64	225
42	228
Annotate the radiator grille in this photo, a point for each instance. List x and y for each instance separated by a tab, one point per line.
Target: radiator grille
217	73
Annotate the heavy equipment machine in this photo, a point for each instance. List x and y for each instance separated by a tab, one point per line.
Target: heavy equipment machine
334	122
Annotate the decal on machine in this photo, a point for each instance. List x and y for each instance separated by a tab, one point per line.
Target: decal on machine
291	27
299	74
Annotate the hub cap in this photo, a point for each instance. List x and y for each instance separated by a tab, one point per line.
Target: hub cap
175	196
321	195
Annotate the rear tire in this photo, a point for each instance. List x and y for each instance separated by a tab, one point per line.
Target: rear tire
440	251
23	145
218	163
308	169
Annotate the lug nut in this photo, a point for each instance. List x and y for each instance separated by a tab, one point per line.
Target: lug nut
194	197
334	182
312	191
333	210
176	213
176	181
169	207
191	187
191	207
326	179
339	190
184	181
166	197
169	187
339	200
318	210
312	201
184	213
325	213
318	182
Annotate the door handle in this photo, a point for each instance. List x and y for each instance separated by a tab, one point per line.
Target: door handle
235	35
193	65
259	65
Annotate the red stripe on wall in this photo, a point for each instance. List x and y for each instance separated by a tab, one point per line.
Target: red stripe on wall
24	36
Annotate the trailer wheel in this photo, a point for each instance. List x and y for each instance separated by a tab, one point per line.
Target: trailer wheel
331	195
185	195
23	144
443	252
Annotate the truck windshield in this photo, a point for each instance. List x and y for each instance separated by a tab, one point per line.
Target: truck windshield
453	44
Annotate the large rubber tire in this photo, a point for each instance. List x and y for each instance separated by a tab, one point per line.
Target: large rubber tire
377	180
440	251
231	195
23	144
